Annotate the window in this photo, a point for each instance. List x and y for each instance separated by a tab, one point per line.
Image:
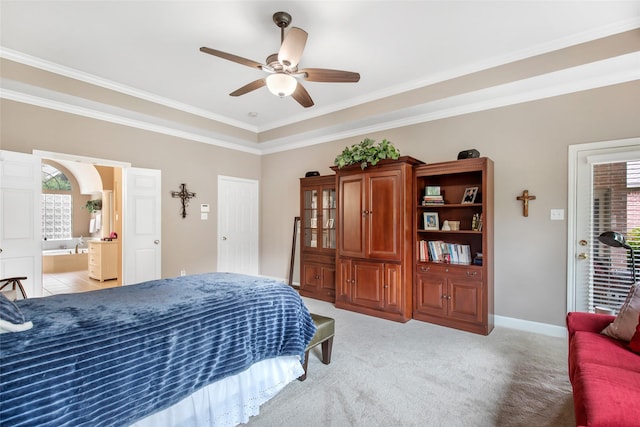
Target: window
56	204
616	207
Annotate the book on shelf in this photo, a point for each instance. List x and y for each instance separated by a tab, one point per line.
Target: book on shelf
478	259
432	200
440	251
476	222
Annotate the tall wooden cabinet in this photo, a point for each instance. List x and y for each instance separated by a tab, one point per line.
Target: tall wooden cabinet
318	237
375	240
458	291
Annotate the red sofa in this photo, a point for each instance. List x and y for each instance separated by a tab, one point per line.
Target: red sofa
604	373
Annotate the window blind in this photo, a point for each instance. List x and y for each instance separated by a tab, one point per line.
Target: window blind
615	207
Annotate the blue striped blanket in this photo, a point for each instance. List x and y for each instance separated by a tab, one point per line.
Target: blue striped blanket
114	356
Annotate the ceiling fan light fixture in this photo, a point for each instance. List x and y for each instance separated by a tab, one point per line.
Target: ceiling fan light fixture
281	84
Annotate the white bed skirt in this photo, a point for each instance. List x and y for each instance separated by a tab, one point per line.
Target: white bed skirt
232	400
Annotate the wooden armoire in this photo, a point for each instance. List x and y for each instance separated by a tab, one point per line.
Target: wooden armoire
374	254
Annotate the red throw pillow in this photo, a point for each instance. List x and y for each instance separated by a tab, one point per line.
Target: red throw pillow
634	344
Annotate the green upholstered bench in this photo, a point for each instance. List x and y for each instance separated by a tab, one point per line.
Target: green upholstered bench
324	335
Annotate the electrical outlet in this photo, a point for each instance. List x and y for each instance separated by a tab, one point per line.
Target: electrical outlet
183	272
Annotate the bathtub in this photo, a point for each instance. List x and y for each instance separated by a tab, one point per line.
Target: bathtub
63	260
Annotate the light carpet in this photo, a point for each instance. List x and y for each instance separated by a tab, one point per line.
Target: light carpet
385	373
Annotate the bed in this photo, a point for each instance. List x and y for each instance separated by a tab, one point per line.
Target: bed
201	350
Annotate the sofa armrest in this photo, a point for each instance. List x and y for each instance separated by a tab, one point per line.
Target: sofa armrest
591	322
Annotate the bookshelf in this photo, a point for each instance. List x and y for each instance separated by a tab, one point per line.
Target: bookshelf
453	223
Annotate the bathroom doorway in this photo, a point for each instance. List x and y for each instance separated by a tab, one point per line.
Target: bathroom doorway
80	208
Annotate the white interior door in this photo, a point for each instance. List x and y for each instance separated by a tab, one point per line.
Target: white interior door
142	227
238	225
20	228
583	208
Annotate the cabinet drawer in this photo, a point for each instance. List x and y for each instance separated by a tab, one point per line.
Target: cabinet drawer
94	248
451	270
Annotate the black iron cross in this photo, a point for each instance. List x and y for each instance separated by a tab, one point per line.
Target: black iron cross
185	196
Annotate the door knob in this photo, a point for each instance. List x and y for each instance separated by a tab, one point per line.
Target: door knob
583	242
157	242
223	238
582	255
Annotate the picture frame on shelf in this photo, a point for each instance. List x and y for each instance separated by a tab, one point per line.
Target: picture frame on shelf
469	195
431	221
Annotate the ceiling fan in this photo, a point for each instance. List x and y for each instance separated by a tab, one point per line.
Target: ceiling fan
282	67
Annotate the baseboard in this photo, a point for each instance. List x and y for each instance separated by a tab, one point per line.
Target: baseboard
530	326
503	322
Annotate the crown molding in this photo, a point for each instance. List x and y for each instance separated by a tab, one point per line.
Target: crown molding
122	120
623	68
52	67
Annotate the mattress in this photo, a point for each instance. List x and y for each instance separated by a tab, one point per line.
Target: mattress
115	356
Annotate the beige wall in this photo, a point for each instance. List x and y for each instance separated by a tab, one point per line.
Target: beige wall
529	145
527	142
188	243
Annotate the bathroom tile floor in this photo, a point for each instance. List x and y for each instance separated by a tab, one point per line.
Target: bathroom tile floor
72	282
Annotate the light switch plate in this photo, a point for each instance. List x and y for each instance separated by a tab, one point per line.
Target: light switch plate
557	214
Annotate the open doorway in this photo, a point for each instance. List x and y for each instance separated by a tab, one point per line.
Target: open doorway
138	198
81	220
82	214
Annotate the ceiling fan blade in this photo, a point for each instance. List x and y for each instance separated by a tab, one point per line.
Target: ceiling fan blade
292	47
331	76
302	96
257	84
234	58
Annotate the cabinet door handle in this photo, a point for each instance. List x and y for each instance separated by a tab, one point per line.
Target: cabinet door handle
425	268
353	281
472	273
385	286
364	213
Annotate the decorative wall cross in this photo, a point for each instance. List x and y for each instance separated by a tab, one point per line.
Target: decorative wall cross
185	196
525	201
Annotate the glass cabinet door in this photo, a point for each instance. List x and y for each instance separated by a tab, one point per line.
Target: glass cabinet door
319	218
329	219
310	216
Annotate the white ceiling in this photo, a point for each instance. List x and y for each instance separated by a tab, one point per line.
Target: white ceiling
150	48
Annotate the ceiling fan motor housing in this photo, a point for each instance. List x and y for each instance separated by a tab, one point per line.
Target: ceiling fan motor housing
282	19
